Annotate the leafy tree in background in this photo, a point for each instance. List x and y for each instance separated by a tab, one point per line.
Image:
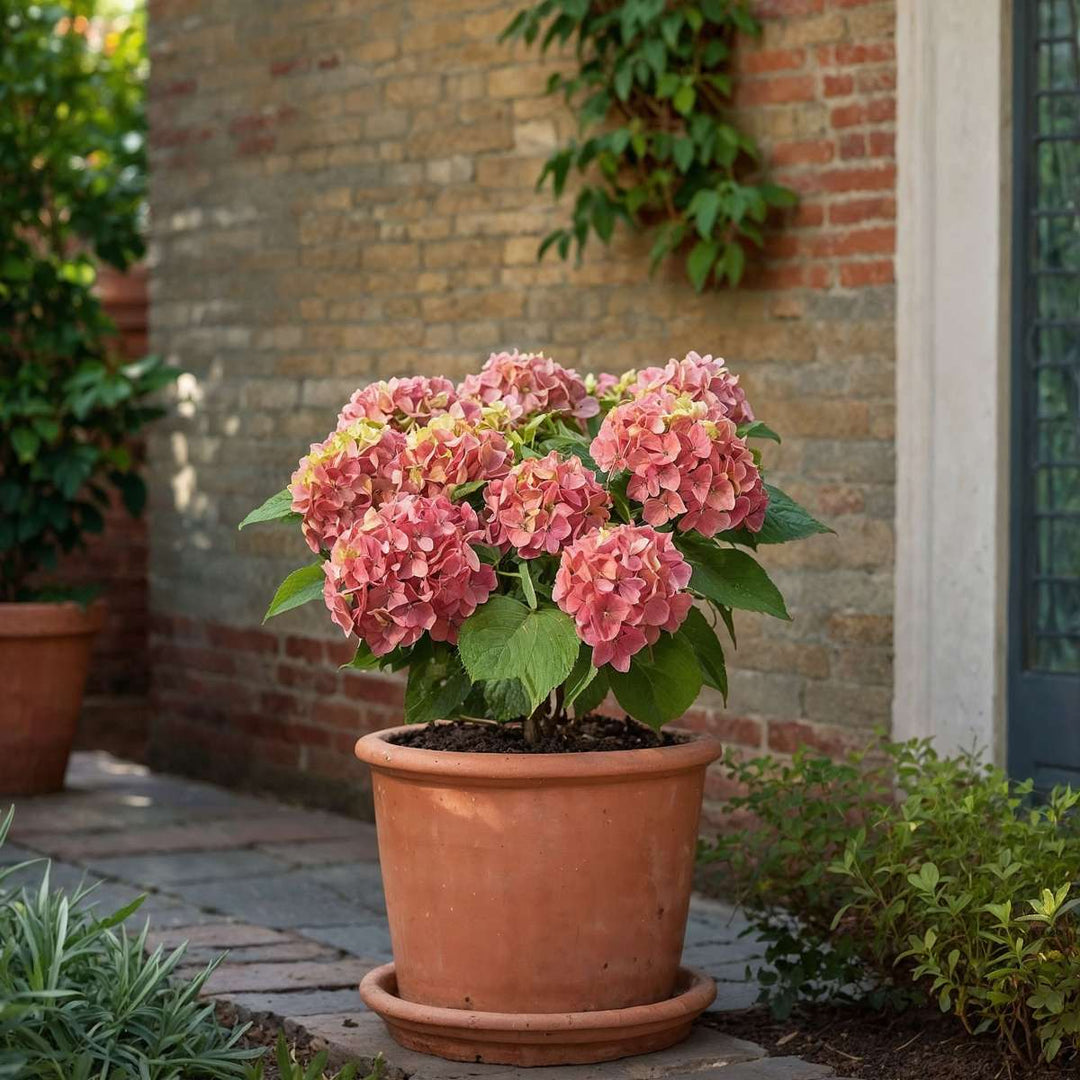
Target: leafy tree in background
72	185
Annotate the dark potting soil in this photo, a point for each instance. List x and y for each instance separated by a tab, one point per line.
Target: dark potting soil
590	733
919	1044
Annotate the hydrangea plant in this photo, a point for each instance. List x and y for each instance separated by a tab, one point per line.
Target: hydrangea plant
529	540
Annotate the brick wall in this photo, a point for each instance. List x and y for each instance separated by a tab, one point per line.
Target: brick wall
343	190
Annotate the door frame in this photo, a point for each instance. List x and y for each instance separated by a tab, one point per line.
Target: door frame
1030	750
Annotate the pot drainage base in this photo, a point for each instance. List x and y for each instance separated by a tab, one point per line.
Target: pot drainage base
538	1038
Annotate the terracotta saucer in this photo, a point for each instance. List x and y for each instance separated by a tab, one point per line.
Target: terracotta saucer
538	1038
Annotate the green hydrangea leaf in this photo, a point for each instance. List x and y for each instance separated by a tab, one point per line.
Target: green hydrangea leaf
505	639
662	683
300	587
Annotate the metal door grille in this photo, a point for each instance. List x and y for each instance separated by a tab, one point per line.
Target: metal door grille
1048	310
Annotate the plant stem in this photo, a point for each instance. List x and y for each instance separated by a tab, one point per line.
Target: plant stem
531	727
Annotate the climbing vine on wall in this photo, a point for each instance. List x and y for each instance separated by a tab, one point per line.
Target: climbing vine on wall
651	89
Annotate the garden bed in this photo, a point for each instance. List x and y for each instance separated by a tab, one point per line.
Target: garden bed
918	1044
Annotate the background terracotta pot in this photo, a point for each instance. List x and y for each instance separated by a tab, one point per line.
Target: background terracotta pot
44	657
548	883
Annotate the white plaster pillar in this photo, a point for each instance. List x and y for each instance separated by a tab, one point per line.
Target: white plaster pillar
954	181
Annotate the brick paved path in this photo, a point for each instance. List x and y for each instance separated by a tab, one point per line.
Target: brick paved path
294	895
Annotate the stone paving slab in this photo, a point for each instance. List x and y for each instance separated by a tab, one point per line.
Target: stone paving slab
288	951
99	775
221	935
360	848
10	854
361	939
165	912
300	1004
213	836
94	813
735	995
705	1054
275	978
281	902
746	948
62	875
32	818
160	871
359	881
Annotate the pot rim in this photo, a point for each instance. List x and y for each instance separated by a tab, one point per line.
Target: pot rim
413	762
61	618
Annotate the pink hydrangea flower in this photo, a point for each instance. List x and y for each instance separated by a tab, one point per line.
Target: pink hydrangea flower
622	586
529	383
701	378
684	464
407	568
401	403
612	389
543	503
341	477
604	384
449	451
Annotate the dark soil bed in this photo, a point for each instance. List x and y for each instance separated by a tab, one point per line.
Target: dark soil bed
264	1031
590	733
914	1045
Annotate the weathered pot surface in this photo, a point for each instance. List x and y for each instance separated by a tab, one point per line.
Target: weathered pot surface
538	883
44	659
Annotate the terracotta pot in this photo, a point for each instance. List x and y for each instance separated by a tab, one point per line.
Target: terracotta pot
44	658
541	883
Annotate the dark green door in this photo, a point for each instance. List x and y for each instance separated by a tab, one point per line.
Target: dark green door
1044	607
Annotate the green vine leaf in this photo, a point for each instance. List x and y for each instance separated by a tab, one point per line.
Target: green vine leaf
652	92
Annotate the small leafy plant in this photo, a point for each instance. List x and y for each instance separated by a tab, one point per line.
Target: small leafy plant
527	541
289	1067
80	998
73	161
651	89
957	889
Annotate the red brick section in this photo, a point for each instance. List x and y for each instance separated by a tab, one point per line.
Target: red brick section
252	706
346	191
820	90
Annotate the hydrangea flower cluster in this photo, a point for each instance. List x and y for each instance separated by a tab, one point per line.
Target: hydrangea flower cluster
701	378
450	451
429	499
401	403
622	586
684	465
530	383
406	569
341	477
542	504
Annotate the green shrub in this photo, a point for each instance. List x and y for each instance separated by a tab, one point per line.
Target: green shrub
906	877
73	163
81	998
